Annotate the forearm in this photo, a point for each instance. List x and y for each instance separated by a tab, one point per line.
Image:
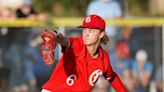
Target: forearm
145	79
61	39
144	83
159	85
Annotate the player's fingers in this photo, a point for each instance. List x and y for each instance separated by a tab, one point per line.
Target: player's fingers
46	39
47	33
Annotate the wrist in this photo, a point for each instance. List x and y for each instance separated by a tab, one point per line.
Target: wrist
57	33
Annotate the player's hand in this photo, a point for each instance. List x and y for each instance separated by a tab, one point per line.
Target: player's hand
48	35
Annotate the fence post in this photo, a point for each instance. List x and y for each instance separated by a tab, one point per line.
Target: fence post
163	50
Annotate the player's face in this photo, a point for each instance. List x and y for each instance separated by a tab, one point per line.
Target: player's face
92	36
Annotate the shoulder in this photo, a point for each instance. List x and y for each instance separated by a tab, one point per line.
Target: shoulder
75	40
105	54
149	65
114	3
94	2
75	43
105	57
134	64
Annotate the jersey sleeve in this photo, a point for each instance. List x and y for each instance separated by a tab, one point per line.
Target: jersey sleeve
113	78
75	44
108	70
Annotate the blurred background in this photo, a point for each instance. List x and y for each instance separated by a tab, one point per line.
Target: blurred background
135	29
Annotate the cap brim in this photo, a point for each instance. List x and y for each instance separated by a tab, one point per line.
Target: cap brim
87	27
82	27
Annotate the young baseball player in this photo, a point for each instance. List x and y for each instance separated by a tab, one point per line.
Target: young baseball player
83	61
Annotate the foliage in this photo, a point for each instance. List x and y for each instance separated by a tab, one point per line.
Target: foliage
70	7
78	7
137	7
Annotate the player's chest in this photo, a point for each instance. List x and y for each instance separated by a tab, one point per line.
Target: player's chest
88	65
89	70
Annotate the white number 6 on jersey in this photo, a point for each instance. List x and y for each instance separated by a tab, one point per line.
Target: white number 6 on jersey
70	80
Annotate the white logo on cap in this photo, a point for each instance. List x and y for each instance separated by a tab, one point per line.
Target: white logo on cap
88	19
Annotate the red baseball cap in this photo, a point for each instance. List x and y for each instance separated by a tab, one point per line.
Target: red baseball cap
93	21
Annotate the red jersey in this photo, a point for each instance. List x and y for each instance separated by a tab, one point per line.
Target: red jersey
77	71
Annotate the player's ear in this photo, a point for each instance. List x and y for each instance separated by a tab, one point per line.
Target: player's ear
102	33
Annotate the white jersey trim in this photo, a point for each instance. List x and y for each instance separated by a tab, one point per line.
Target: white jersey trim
45	90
